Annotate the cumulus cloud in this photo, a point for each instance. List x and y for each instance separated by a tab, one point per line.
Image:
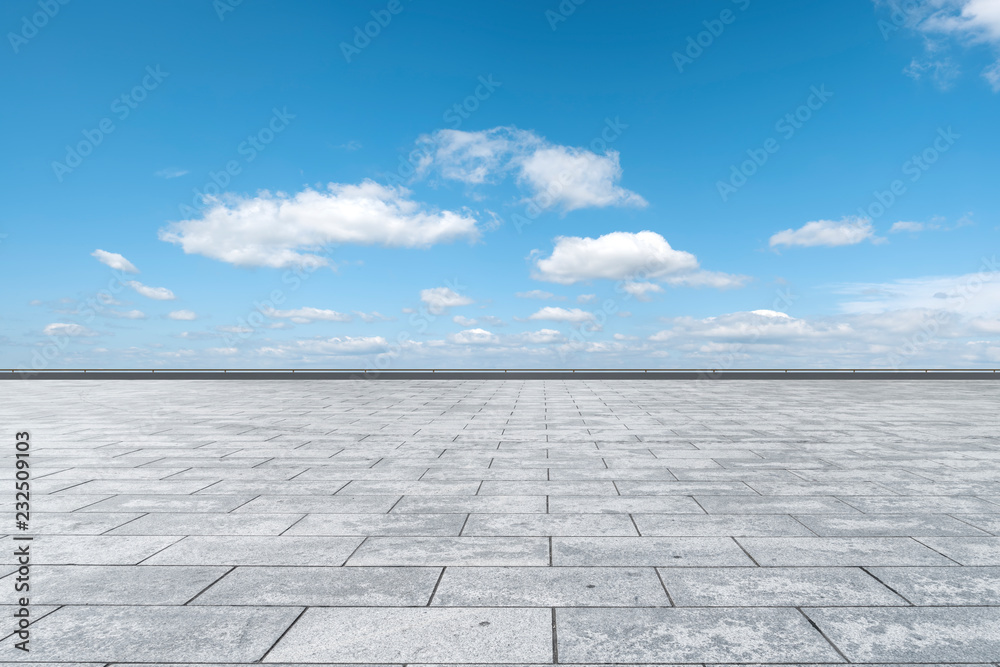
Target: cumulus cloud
307	315
125	314
373	316
67	329
947	23
440	299
554	314
157	293
556	176
171	173
637	259
537	294
474	337
280	230
639	290
184	315
114	260
848	231
543	336
463	321
337	346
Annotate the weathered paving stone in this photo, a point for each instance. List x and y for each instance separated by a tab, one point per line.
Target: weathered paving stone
419	525
913	634
78	523
888	525
155	634
452	551
119	585
550	587
667	525
647	551
943	585
967	550
324	587
92	549
689	635
429	635
623	504
290	550
779	587
843	551
549	524
207	523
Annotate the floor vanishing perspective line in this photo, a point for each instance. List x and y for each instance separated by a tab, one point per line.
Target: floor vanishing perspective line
514	522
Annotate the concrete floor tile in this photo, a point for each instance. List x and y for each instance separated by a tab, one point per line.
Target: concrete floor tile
887	525
842	551
207	523
265	550
549	524
324	587
913	634
943	585
420	525
550	587
119	585
452	551
689	635
647	551
428	635
967	550
155	634
778	587
725	525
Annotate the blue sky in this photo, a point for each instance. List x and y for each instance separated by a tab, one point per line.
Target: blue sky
535	184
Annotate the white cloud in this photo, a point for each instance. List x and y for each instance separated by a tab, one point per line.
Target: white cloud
849	231
614	256
171	173
307	315
114	260
907	227
492	320
474	337
126	314
639	290
554	314
557	176
463	321
575	178
440	299
967	22
373	316
337	346
185	315
543	336
715	279
537	294
64	329
586	298
278	230
157	293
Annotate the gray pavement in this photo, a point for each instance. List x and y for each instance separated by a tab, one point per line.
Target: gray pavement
508	522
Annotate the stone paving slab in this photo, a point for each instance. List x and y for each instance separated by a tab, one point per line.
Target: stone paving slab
510	522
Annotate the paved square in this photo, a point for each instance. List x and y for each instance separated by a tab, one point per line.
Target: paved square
534	522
